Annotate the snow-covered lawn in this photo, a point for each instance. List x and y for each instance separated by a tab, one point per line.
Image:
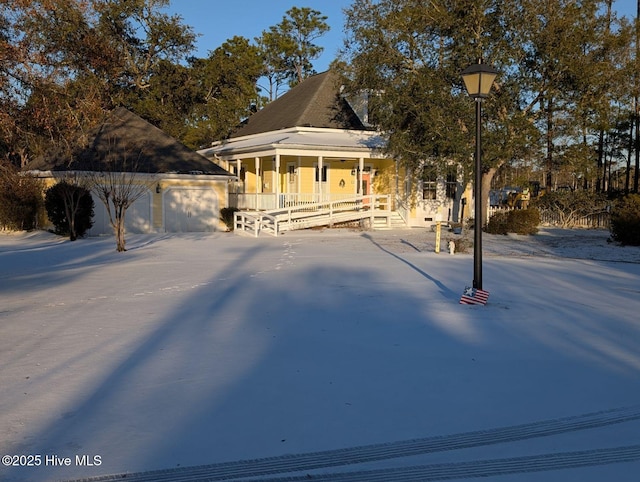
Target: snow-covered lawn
201	349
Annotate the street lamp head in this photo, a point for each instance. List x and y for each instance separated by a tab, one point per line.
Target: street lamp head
478	79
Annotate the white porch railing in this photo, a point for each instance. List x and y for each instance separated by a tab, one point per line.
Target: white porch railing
303	216
269	201
255	222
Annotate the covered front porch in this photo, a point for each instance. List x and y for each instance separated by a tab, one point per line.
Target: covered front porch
282	181
304	165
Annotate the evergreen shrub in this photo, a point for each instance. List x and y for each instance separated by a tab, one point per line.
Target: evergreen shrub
518	221
498	223
64	196
227	216
625	220
20	199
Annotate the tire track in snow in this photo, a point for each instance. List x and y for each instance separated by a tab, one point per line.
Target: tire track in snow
481	468
406	448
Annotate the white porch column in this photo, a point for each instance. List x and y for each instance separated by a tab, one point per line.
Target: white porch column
277	179
258	176
238	173
360	172
319	174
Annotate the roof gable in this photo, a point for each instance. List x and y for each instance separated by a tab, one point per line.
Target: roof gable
315	102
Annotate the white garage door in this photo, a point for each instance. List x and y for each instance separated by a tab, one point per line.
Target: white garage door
190	210
137	218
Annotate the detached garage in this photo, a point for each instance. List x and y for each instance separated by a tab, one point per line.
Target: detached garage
183	191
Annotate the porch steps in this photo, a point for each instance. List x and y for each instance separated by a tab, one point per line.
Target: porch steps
395	222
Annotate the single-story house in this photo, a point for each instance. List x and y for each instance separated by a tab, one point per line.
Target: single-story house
184	191
311	145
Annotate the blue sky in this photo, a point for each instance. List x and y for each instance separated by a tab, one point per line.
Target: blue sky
219	20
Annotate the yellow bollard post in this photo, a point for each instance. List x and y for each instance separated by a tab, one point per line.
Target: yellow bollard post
438	233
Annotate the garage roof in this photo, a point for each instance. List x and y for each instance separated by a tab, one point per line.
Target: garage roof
125	139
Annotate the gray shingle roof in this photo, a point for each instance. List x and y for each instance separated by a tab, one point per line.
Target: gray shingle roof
124	134
315	102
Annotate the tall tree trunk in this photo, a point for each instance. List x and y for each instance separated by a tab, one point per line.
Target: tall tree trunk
549	174
600	180
487	178
609	177
606	167
627	177
637	107
637	143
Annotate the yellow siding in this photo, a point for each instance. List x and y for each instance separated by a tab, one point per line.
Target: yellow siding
156	208
385	179
341	181
307	175
250	181
268	177
42	218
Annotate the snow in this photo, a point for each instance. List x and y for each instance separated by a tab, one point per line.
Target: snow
197	349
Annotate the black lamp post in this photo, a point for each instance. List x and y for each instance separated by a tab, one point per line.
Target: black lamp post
478	79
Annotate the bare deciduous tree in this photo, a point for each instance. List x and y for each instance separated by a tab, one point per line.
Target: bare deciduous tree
118	183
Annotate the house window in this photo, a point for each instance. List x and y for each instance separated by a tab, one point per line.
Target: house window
292	173
324	174
429	183
451	184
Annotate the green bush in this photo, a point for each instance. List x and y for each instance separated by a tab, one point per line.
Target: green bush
227	215
20	199
625	220
498	223
524	221
518	221
64	201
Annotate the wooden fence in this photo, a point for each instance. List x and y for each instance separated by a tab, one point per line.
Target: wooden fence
566	220
595	220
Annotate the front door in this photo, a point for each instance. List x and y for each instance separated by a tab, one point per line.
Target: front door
321	180
366	186
292	178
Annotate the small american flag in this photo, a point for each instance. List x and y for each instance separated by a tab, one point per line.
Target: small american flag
474	296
